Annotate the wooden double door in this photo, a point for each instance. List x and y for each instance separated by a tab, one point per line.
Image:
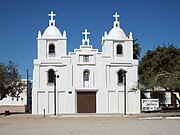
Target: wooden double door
86	102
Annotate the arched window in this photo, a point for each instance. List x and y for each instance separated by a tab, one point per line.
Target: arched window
51	49
85	43
51	76
116	25
86	74
120	76
119	49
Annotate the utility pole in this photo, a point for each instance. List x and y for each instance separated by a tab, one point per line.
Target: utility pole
27	75
124	76
55	76
28	98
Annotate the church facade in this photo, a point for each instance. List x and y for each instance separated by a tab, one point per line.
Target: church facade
86	80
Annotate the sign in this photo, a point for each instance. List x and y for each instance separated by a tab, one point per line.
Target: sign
150	104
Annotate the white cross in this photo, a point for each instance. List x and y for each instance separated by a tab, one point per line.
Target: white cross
116	16
52	15
85	33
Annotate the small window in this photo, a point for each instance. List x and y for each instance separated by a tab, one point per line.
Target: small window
51	76
120	76
85	43
85	58
86	75
119	49
70	92
21	99
51	49
12	99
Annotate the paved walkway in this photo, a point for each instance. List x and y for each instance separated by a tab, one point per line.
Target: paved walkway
90	124
141	115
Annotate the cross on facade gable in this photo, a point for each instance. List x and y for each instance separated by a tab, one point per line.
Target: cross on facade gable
116	16
17	97
85	33
52	15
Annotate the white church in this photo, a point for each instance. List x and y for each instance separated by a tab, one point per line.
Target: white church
86	80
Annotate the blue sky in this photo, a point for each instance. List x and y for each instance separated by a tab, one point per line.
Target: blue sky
153	22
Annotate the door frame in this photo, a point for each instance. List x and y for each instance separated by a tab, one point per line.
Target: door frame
85	90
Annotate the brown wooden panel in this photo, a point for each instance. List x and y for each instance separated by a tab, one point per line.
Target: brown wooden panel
86	102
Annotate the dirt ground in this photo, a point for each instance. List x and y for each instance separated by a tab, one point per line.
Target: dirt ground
87	126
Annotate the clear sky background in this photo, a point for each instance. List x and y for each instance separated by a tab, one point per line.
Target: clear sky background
153	22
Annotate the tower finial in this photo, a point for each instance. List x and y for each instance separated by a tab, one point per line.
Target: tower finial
130	35
52	15
52	21
39	34
85	40
116	16
116	22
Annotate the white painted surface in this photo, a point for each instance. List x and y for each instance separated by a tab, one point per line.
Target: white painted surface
40	102
103	67
112	102
62	102
51	102
120	102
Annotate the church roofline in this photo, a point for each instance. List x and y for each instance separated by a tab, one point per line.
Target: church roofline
79	50
116	40
55	38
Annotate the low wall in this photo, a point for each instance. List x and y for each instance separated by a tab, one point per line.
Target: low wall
12	109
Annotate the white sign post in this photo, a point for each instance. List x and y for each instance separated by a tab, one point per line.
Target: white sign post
150	104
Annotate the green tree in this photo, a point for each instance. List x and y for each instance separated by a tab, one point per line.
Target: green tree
159	95
10	82
136	49
161	68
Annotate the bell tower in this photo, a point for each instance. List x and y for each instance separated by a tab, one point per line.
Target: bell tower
51	44
116	44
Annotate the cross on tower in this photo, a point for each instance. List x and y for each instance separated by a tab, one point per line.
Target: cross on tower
52	15
116	16
85	33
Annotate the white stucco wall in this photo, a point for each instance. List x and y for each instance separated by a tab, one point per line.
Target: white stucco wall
103	79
